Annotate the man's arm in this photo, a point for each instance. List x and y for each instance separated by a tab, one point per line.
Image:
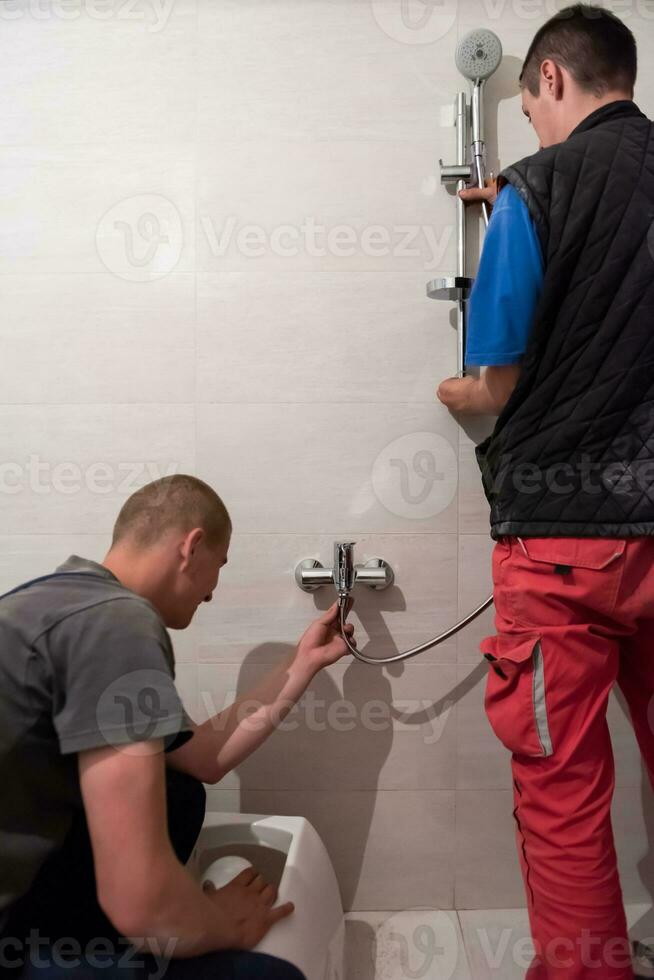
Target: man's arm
502	306
486	395
141	886
223	741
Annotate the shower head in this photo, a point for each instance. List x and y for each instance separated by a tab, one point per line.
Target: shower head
478	54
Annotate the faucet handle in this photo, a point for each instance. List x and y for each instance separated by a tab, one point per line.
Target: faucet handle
344	570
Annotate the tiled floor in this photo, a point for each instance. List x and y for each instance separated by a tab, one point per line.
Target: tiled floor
445	945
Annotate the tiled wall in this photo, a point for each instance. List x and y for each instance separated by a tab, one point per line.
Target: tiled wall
218	219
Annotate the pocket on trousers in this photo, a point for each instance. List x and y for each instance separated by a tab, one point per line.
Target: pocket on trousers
558	581
515	698
592	553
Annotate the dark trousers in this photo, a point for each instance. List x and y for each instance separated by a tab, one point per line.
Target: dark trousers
62	905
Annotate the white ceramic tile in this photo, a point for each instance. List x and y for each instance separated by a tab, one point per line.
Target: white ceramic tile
632	818
487	867
185	642
70	471
629	767
389	850
186	682
344	205
223	800
258	610
263	337
353	728
90	72
640	920
475	586
498	943
97	338
24	556
306	468
79	209
404	944
324	71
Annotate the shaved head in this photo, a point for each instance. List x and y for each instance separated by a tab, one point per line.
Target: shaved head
179	502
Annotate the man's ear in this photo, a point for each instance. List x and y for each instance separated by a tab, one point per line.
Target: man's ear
190	543
552	79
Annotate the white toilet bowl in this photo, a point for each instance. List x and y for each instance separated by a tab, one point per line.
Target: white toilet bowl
289	853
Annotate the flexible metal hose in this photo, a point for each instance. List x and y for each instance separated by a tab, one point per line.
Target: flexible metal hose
342	605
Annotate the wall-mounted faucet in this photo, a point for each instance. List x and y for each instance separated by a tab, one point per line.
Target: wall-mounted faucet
376	573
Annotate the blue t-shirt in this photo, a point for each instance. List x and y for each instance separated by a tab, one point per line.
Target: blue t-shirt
509	282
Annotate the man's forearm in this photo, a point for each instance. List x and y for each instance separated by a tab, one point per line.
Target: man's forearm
174	918
231	735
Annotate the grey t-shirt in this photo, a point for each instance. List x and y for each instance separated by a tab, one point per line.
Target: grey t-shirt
84	663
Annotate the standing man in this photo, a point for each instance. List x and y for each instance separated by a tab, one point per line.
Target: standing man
102	768
562	317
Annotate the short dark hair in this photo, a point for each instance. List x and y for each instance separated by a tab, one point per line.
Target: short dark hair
178	501
591	43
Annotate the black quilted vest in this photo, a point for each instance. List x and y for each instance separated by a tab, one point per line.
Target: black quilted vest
572	452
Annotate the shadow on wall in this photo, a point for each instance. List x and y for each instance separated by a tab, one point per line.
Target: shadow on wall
325	759
319	755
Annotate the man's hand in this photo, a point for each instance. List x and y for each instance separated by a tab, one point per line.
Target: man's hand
457	394
246	903
486	395
322	643
475	195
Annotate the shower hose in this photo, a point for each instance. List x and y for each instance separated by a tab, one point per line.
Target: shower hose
414	651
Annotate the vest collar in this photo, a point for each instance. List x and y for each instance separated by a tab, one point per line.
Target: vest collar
621	108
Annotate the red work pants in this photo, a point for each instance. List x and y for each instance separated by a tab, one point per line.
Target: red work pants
573	616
